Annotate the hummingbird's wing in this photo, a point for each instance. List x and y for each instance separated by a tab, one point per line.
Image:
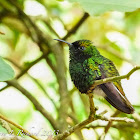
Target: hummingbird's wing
113	90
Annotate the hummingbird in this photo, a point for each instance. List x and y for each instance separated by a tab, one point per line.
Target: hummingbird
87	65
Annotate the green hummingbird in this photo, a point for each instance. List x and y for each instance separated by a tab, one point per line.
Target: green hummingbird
88	65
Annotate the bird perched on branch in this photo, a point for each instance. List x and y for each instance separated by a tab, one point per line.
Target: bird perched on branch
87	65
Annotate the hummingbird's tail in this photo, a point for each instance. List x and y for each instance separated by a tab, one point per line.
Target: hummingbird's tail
116	99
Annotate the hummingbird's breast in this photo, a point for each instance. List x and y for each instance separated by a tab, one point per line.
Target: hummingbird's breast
82	79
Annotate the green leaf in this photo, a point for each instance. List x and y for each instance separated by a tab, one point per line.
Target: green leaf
97	7
6	72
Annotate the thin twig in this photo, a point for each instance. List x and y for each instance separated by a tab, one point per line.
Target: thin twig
30	65
110	122
80	125
136	116
2	33
102	137
115	78
118	126
74	29
23	130
24	71
103	112
44	91
50	27
12	137
118	119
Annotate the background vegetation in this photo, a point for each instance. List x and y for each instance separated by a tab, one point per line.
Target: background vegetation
42	97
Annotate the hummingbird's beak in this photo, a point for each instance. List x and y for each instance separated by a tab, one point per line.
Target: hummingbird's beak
69	44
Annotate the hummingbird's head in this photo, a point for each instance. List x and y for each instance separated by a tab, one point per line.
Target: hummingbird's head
81	49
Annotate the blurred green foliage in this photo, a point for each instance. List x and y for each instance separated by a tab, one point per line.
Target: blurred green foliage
94	7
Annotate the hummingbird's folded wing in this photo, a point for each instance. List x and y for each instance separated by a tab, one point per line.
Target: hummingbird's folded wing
116	99
115	95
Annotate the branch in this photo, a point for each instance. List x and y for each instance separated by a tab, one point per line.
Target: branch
118	119
74	29
109	125
80	125
44	91
35	80
50	27
5	125
12	137
112	79
63	91
31	64
111	119
2	33
92	108
117	126
37	105
24	71
24	131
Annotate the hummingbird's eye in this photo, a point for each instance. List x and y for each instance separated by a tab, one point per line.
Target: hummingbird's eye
81	48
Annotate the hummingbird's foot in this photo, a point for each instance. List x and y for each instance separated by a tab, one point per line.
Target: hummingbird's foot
91	89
